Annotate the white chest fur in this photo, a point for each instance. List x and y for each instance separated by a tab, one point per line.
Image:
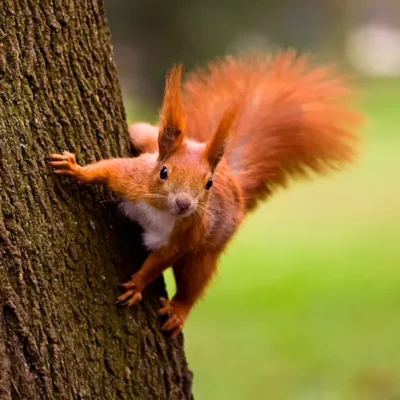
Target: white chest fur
157	225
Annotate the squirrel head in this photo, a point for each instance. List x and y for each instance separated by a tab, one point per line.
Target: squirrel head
184	174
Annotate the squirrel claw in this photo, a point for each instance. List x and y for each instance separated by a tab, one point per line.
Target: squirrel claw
166	307
134	299
131	296
176	317
173	325
64	163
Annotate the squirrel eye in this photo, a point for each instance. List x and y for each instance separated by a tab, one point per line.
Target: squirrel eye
164	173
209	184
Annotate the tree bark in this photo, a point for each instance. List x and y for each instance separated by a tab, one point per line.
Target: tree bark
63	247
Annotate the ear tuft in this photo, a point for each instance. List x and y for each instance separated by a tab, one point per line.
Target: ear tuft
173	116
216	146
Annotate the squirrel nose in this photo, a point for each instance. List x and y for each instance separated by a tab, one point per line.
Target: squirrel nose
182	203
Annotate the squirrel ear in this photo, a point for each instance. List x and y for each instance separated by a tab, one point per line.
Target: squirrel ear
216	146
173	116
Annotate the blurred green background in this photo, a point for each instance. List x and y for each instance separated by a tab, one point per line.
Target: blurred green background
306	304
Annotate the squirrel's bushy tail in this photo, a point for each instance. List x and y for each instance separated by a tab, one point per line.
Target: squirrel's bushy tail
295	119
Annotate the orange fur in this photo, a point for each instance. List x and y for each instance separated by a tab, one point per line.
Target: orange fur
144	137
216	146
291	119
173	116
295	118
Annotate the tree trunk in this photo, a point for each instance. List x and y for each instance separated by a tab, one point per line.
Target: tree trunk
63	247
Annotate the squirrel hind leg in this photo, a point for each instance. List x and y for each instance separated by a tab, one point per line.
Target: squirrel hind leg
144	137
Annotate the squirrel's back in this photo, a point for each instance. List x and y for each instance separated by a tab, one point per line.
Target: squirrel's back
292	118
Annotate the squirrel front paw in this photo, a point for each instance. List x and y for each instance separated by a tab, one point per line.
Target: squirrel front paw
176	316
132	294
65	164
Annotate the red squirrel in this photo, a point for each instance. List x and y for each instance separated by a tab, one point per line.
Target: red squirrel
234	132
